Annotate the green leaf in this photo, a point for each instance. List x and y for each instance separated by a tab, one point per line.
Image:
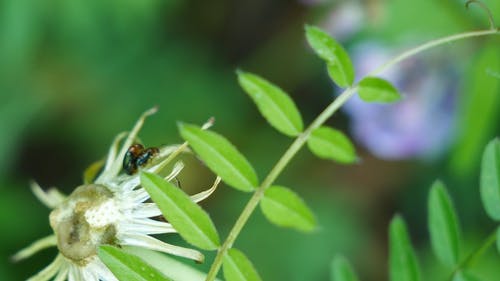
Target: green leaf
329	143
402	260
285	208
273	103
339	64
479	106
342	270
189	219
237	267
464	276
168	265
490	179
127	267
498	239
373	89
221	157
443	225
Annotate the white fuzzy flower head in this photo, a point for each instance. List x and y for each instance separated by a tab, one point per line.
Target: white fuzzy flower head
111	209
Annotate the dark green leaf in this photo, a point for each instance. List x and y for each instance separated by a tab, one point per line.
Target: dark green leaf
338	62
127	267
342	270
221	157
490	179
443	225
402	260
273	103
373	89
332	144
189	219
285	208
237	267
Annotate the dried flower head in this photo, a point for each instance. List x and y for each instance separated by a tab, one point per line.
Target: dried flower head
111	209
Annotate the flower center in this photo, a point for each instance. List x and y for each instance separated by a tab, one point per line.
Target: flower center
84	221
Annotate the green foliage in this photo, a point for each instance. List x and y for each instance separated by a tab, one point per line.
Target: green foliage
237	267
328	143
402	260
374	89
342	270
479	107
443	225
464	276
339	64
127	267
221	157
189	219
285	208
273	103
490	179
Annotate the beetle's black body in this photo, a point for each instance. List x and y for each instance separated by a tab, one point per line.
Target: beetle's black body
137	156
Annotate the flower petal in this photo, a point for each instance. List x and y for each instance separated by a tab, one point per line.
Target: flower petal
113	150
146	226
62	275
52	198
49	271
117	163
145	210
151	243
204	194
36	246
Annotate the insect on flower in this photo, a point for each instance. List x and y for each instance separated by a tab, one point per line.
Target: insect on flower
113	208
137	156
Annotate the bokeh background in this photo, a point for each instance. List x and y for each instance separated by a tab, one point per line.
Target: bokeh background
75	73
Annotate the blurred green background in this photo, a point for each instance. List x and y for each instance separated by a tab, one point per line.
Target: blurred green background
75	73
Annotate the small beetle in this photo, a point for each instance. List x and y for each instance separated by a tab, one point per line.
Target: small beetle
138	156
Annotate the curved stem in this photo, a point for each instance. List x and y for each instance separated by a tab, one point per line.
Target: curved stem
429	45
469	261
302	138
485	8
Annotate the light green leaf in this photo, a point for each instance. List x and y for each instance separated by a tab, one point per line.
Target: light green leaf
189	219
490	179
339	64
373	89
273	103
285	208
127	267
402	260
221	157
237	267
479	106
168	265
443	225
342	270
464	276
332	144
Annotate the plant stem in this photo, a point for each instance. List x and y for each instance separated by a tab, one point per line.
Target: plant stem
302	138
430	45
469	261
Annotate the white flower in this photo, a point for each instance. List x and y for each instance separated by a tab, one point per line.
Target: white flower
113	209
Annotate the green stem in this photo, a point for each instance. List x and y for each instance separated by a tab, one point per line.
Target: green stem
302	138
431	44
476	254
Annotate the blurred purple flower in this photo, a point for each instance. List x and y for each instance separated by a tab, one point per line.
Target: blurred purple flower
422	124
